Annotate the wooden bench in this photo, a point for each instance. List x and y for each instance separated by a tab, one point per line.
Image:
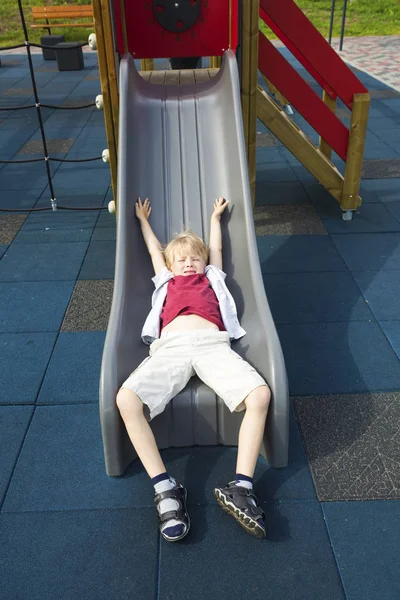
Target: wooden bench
47	13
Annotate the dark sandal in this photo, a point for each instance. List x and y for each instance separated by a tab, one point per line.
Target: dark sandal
235	500
178	493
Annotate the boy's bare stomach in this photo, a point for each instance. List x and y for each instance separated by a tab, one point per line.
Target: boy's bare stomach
188	323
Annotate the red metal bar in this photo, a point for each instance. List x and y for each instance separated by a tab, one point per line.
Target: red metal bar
312	48
286	79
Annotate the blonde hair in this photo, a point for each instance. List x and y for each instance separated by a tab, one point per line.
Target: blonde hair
186	242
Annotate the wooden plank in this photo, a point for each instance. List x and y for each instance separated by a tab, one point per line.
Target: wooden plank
145	75
47	10
215	62
331	104
301	35
157	77
286	79
358	132
299	145
186	77
213	72
55	25
171	77
201	75
274	91
147	64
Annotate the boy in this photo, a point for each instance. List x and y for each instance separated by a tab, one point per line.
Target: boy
197	317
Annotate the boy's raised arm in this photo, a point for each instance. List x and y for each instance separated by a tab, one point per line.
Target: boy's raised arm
143	210
215	232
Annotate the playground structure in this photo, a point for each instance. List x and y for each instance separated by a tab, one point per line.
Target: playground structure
183	144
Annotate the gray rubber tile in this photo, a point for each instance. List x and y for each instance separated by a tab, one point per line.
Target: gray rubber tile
24	359
57	226
53	146
381	291
297	254
297	550
43	262
288	220
338	358
99	261
14	422
353	444
10	224
73	374
381	169
94	555
33	306
369	252
315	298
365	539
89	307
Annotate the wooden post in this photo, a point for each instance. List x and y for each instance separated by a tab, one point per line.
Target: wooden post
105	90
147	64
355	152
249	47
274	91
215	62
323	145
111	66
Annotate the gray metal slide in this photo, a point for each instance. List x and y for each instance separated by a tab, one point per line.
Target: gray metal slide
183	146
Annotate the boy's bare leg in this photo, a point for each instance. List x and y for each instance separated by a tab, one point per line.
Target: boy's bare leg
131	409
252	430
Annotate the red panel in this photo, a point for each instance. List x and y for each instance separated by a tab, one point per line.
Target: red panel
313	48
209	36
285	77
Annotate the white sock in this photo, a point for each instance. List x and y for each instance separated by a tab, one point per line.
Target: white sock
246	484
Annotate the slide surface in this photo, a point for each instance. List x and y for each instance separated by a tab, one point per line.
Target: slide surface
183	146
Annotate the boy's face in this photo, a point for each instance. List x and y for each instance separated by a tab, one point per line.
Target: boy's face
187	264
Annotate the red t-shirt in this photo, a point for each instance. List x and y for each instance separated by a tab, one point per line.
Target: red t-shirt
191	295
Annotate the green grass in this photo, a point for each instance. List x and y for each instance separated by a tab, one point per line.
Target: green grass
364	17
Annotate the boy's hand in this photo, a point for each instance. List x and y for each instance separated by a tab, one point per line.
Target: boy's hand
143	209
219	206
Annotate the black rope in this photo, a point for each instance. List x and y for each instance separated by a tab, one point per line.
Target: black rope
31	160
27	160
77	159
29	210
19	107
12	47
68	107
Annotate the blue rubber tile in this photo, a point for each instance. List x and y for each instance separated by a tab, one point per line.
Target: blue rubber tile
269	193
99	262
86	181
365	537
338	358
30	177
24	358
267	155
370	218
73	373
379	151
12	140
43	262
369	251
381	291
74	168
392	332
385	190
33	306
105	228
275	172
394	208
57	226
14	421
298	254
315	298
95	555
77	118
3	248
295	563
71	198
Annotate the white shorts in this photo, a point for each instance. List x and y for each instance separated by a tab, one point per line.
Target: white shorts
176	356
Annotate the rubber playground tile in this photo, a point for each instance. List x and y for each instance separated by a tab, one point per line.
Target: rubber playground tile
392	332
297	550
370	218
267	156
9	226
87	181
381	291
12	140
394	208
57	226
73	373
89	307
30	176
280	193
289	219
3	248
99	262
315	298
338	358
19	199
14	421
352	444
43	262
71	198
33	306
297	254
77	118
369	251
377	151
94	555
105	229
365	538
24	359
381	169
383	190
279	172
77	156
53	146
